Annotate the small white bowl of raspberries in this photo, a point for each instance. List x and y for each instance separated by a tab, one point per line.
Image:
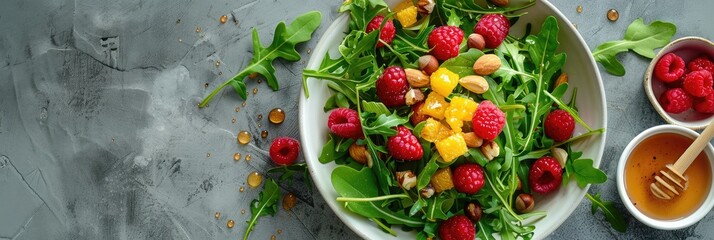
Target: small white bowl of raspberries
679	82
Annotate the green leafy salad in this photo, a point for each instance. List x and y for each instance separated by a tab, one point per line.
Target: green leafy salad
440	119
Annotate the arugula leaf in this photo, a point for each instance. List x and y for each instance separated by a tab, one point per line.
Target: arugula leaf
266	204
375	107
335	148
383	125
585	173
287	173
362	11
463	63
640	38
612	215
283	46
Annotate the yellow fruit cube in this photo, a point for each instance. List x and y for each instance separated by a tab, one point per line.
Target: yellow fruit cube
441	180
408	16
434	105
444	81
434	131
459	110
403	5
452	147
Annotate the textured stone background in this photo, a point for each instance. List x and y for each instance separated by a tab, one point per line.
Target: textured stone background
100	136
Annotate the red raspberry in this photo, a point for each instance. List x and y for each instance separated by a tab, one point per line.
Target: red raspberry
701	63
494	29
444	42
705	105
458	227
392	86
488	121
386	34
468	178
669	68
559	125
675	100
417	116
344	122
404	146
698	83
545	175
284	150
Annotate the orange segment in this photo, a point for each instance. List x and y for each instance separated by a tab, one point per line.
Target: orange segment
434	131
444	81
441	180
434	105
452	147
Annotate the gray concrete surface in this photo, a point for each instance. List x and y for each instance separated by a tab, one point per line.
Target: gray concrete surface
100	136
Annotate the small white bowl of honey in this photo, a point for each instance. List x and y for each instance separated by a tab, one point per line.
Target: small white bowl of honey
647	154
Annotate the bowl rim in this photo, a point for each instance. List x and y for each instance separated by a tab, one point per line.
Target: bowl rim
650	92
684	222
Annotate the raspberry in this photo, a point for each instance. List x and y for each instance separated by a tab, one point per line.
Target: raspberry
545	175
494	29
705	105
404	146
698	83
458	227
675	100
559	125
284	150
468	178
701	63
392	86
488	121
386	34
417	116
669	68
344	122
444	42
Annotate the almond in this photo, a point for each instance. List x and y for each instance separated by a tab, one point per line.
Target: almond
560	154
490	150
487	64
416	78
359	153
501	3
428	64
474	83
472	140
413	96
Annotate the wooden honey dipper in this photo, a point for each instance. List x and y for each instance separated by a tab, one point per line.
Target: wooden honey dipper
672	177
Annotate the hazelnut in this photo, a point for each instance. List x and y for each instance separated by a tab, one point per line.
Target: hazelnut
561	155
563	78
524	203
502	3
427	191
416	78
413	96
487	64
428	64
472	140
474	83
406	179
426	6
473	211
476	41
359	153
490	150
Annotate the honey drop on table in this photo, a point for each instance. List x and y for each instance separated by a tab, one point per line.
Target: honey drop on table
236	157
241	189
230	224
289	201
217	215
276	116
264	134
255	179
223	19
613	15
579	9
260	117
243	137
248	157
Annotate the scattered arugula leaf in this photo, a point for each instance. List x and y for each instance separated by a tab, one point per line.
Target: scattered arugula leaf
640	38
612	215
288	172
283	46
266	204
585	173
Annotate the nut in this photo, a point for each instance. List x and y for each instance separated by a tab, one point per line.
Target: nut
490	149
474	83
426	6
413	96
563	78
561	155
428	64
416	78
359	153
476	41
406	179
520	184
473	211
501	3
524	203
427	191
487	64
472	140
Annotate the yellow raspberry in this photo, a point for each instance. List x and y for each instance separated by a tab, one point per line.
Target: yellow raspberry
434	131
452	147
441	180
408	16
444	81
459	110
434	105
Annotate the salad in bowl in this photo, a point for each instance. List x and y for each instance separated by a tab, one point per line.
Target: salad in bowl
452	119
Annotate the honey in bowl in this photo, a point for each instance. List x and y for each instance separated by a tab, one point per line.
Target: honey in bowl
652	155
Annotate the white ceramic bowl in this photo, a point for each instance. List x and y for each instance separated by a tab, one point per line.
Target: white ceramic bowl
656	223
559	205
687	48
